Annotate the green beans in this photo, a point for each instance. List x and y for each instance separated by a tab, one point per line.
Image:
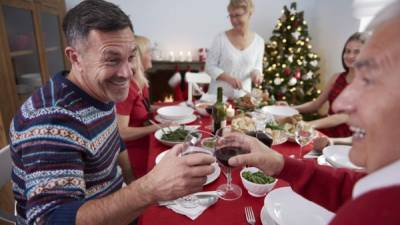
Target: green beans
258	177
274	126
177	135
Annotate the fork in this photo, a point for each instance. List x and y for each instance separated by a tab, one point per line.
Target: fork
248	211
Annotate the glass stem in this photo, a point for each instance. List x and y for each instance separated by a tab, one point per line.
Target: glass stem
229	178
301	152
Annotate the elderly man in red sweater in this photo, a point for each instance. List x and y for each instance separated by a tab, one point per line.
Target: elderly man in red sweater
372	101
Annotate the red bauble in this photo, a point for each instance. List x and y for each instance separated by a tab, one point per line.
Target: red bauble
287	71
297	74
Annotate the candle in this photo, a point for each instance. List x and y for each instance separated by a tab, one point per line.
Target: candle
181	57
171	56
189	56
230	112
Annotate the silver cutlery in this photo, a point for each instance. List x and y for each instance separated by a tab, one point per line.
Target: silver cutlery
203	198
250	218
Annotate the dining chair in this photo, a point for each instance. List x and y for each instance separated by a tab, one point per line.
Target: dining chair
5	177
193	79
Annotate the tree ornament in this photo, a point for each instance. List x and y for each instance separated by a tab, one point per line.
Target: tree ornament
277	81
308	76
287	71
314	63
283	18
292	81
297	74
290	58
296	35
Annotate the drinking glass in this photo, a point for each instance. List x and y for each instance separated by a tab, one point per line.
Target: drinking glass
228	191
260	120
304	134
191	146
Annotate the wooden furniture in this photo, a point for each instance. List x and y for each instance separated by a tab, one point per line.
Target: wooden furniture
7	200
32	46
162	71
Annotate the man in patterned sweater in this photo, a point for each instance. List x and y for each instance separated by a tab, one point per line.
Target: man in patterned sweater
372	102
69	159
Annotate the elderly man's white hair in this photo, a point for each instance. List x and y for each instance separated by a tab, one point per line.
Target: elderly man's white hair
389	12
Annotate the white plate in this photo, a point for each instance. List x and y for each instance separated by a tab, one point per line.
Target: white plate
322	161
186	120
288	208
338	156
210	178
158	134
278	110
265	218
211	98
175	112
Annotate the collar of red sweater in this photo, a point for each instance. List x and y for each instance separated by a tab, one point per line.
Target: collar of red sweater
384	177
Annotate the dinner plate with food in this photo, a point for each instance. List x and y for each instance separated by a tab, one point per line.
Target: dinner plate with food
173	135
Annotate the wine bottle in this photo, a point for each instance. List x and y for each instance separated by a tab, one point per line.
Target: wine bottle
218	112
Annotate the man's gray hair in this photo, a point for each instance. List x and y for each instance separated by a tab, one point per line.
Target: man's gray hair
389	12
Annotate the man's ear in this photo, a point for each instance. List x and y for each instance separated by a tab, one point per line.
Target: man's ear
74	57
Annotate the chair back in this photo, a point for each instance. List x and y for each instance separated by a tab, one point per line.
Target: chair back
193	79
5	165
5	177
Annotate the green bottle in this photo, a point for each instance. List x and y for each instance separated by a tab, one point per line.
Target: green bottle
218	112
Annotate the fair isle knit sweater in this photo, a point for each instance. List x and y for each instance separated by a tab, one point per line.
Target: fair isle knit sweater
64	145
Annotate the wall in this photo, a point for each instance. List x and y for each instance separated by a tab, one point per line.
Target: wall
186	25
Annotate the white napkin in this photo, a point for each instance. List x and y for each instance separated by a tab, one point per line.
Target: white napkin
192	213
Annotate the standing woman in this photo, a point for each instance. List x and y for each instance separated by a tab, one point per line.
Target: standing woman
334	125
235	58
134	113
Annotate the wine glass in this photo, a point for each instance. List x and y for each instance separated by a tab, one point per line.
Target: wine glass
228	191
260	120
304	134
192	146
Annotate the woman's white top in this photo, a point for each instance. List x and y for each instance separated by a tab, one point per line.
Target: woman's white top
224	57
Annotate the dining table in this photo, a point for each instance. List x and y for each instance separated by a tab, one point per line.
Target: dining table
222	212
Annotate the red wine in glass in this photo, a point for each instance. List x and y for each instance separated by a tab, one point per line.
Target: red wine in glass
224	154
261	136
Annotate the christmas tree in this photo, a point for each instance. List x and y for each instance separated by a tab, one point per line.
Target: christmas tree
290	67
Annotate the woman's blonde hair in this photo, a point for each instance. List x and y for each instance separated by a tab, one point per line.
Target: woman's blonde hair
247	5
140	77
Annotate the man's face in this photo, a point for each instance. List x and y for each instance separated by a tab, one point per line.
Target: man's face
372	100
106	64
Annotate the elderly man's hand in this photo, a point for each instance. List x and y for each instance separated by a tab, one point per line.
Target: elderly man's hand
259	155
177	176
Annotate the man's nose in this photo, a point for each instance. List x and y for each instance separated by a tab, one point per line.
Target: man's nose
126	70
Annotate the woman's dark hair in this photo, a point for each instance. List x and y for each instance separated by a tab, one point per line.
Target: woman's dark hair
93	15
358	36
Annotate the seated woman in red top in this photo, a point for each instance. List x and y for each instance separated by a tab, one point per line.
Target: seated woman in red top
334	125
134	113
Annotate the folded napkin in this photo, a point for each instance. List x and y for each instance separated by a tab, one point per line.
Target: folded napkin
195	212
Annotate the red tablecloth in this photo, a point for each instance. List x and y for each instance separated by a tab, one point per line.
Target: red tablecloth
223	212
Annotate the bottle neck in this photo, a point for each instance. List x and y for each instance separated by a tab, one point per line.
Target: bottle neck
219	95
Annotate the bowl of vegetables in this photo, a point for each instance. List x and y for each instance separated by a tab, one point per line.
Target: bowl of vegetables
256	182
173	135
